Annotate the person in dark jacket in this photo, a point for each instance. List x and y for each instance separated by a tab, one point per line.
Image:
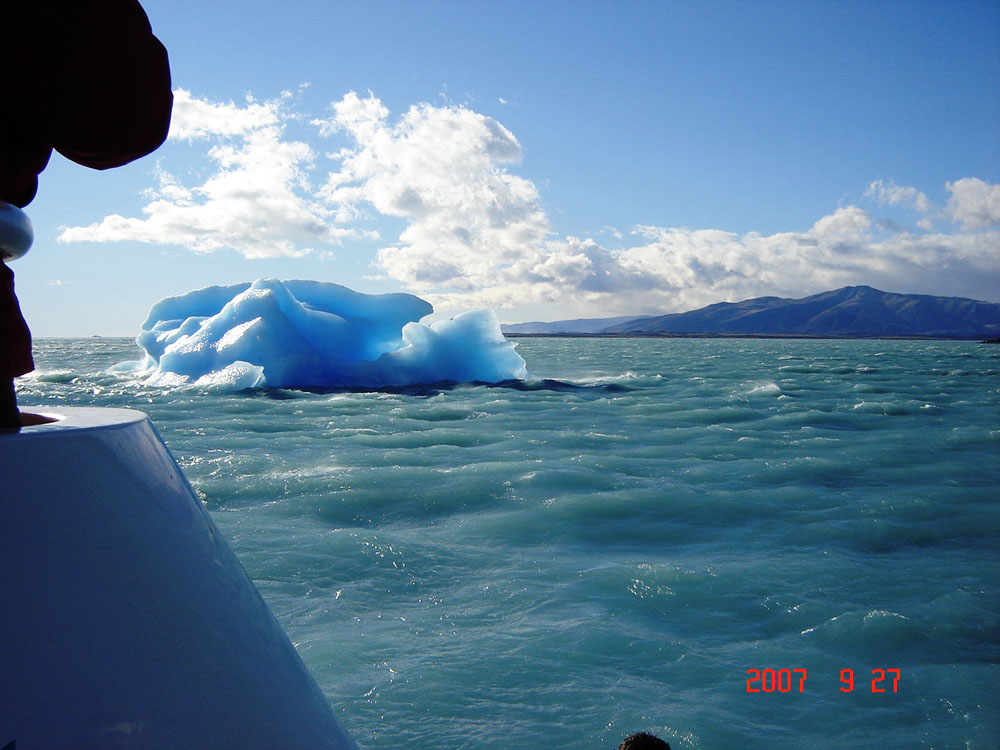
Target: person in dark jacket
89	80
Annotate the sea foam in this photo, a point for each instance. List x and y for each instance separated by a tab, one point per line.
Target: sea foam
315	334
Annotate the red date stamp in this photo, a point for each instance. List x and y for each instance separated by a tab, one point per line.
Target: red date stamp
790	680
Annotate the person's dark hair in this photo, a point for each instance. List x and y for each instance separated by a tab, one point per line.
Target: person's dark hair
643	741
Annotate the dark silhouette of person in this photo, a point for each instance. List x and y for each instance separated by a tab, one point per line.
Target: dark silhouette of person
89	80
643	741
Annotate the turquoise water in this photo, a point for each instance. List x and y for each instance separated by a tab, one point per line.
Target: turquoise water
565	562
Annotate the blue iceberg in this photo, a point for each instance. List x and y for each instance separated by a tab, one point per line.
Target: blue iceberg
316	334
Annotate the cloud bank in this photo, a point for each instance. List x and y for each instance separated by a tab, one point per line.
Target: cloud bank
258	202
474	233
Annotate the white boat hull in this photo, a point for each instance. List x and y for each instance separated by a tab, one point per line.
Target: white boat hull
127	620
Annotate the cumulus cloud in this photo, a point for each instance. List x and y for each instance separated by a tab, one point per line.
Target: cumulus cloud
691	268
443	170
974	203
892	194
259	202
478	235
475	233
195	118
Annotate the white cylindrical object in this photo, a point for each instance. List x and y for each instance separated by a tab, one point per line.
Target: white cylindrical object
16	232
127	622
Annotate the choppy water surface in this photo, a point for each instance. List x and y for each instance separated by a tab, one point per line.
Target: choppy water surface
563	563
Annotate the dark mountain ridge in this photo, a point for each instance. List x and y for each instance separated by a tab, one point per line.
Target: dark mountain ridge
858	311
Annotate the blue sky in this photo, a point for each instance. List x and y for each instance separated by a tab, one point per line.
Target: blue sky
547	159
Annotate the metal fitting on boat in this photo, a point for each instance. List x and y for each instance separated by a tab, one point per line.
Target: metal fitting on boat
16	232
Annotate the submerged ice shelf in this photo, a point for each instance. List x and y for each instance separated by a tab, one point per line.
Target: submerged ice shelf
316	334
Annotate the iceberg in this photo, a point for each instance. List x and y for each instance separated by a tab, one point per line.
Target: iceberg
315	334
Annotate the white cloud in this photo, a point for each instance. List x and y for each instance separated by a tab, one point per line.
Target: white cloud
895	195
693	268
671	269
478	235
974	203
194	118
258	203
475	233
443	170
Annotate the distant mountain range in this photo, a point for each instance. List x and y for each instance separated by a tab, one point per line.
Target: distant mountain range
580	325
851	311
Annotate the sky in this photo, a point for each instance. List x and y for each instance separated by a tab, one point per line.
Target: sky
550	160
